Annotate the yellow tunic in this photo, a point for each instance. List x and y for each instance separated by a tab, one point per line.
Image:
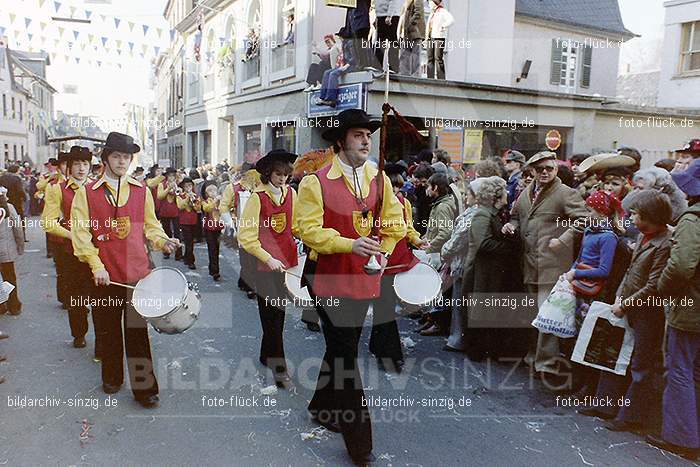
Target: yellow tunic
52	212
250	219
326	241
83	248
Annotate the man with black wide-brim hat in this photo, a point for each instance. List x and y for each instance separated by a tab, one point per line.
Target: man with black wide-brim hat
111	219
56	221
341	204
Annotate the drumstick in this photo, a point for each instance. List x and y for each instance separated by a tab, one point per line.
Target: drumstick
122	285
287	271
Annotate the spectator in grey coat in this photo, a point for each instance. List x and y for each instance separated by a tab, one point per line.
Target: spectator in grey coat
411	32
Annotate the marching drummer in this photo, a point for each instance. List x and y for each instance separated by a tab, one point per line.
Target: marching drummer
168	211
110	218
340	206
385	342
267	230
52	241
188	205
56	222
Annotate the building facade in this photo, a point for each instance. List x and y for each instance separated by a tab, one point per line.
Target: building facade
679	84
545	77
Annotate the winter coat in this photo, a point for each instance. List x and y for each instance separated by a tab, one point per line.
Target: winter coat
455	249
441	222
412	23
488	264
559	212
439	20
11	236
640	281
387	7
357	19
680	278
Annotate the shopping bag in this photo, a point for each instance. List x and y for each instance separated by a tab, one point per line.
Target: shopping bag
6	289
605	341
557	315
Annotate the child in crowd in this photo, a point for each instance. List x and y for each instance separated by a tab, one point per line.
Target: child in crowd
189	205
212	225
639	300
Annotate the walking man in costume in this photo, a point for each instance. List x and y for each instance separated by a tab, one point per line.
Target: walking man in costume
111	219
341	203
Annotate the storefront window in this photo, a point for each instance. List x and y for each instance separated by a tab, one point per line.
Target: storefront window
283	136
251	143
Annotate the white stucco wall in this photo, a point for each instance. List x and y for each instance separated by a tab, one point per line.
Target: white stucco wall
534	42
676	90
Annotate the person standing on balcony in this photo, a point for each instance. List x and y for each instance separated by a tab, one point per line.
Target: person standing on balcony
439	21
388	15
411	31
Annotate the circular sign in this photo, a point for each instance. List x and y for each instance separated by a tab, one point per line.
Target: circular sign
552	140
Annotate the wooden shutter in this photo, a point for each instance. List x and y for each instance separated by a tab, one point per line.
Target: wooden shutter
555	73
586	66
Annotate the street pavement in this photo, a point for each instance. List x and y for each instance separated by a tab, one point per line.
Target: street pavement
450	411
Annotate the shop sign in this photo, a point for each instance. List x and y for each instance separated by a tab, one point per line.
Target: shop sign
350	96
552	140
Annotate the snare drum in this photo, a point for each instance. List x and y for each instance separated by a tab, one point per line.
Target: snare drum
292	281
419	286
167	300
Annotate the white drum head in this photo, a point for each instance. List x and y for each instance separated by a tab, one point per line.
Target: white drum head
160	292
419	285
292	280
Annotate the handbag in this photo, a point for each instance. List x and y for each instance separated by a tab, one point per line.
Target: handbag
587	287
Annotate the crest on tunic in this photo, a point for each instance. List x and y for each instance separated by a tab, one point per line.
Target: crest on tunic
362	223
278	222
121	226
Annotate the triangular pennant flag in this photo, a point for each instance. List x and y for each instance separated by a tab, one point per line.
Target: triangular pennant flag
103	18
119	52
131	26
75	34
95	47
88	14
131	46
72	11
99	63
77	59
12	18
156	49
104	41
91	38
116	22
145	29
159	31
41	3
119	65
27	22
82	47
30	36
142	56
172	35
42	25
57	6
43	40
119	44
144	48
61	31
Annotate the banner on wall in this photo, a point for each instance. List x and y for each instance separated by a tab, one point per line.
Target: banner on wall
452	141
473	144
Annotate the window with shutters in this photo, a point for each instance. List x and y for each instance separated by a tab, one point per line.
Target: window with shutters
565	58
586	62
690	47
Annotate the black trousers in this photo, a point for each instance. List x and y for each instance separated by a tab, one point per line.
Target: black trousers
436	52
271	298
362	54
384	341
246	280
188	232
316	70
113	307
80	288
59	259
212	237
339	393
171	226
8	274
198	230
309	315
388	32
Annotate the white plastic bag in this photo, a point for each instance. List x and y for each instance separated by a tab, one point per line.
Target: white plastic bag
557	315
6	289
605	341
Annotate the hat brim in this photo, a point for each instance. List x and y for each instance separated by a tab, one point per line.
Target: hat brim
334	134
271	158
609	161
132	149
